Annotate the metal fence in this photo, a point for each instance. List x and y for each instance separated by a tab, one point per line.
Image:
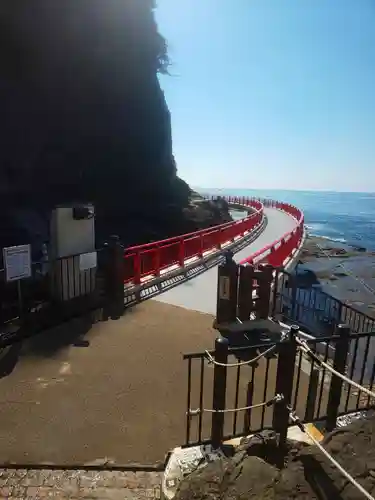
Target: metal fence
59	290
235	398
229	397
252	292
314	310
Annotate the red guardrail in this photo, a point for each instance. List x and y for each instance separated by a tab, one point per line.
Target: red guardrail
277	252
152	258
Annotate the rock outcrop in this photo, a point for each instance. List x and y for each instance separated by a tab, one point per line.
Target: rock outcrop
252	472
83	118
346	272
205	213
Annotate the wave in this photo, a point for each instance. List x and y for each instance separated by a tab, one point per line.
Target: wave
335	240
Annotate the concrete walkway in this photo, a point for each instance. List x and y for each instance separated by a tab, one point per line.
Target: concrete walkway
199	293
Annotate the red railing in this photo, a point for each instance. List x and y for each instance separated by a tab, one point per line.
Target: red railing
278	252
152	258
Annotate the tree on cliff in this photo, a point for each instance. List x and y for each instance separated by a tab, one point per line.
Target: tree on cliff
83	115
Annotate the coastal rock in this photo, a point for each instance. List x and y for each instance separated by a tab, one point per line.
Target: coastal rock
206	213
344	272
308	474
360	249
242	477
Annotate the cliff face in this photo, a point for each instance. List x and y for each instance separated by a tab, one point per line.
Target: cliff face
83	116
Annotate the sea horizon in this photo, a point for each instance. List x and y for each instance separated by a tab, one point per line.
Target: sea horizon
210	189
339	216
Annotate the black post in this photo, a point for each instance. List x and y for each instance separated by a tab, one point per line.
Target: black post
245	292
227	291
284	384
275	294
294	306
220	386
249	402
265	281
115	276
311	395
21	308
339	364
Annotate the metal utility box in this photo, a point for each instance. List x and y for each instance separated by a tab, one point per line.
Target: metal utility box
72	250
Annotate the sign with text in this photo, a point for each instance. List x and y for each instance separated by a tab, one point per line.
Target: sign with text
87	261
17	262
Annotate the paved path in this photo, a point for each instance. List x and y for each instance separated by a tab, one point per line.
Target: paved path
199	294
22	484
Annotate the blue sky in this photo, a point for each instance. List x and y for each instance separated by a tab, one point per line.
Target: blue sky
272	93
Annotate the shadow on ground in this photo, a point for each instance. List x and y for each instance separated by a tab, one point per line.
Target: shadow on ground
72	333
319	481
49	342
9	357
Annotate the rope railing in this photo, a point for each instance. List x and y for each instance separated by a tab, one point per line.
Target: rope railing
322	364
296	420
263	354
250	362
278	398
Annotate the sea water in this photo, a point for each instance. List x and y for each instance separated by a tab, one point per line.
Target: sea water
341	217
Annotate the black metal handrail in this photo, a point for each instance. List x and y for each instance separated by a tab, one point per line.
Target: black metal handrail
311	389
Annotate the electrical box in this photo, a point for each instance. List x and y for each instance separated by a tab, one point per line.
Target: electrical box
72	230
72	251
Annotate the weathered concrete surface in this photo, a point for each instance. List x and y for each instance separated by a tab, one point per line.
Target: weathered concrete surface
22	484
199	294
123	396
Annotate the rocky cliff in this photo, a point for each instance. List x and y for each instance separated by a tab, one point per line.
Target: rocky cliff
83	117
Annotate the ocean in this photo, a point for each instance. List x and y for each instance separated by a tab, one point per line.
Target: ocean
342	217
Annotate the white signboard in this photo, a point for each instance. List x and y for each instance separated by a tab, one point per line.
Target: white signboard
17	262
87	261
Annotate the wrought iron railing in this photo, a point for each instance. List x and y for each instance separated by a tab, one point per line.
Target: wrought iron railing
243	394
313	309
268	299
58	290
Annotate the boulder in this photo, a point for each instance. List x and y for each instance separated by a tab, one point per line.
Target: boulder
240	477
206	213
307	473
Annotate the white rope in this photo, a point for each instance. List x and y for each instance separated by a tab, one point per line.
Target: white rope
276	399
241	363
295	419
306	349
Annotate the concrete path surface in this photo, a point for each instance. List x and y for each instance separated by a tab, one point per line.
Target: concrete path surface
199	293
120	397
